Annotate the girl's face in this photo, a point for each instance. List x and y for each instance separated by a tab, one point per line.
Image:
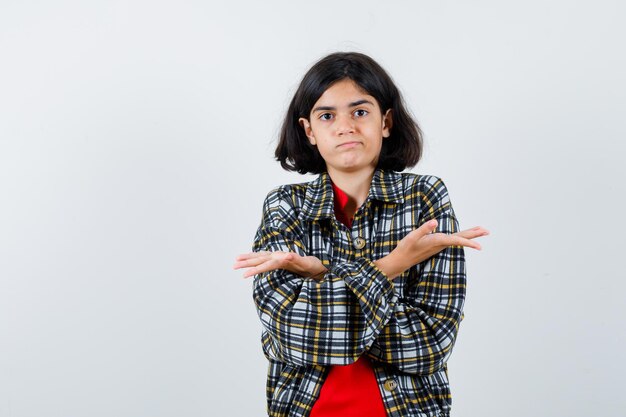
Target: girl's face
347	127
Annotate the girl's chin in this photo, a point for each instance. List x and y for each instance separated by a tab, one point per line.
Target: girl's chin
350	166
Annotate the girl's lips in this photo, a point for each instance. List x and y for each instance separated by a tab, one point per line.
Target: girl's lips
348	144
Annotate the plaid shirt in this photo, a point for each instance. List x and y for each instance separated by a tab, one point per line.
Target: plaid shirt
407	327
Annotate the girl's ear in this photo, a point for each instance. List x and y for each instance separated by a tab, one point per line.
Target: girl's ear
307	130
387	123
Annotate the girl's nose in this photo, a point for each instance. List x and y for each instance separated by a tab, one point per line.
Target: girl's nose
345	125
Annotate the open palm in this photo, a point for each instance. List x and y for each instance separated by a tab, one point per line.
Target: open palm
263	261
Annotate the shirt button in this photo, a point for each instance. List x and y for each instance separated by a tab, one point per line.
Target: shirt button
390	385
359	242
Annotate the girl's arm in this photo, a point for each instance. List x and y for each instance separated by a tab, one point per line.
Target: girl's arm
316	322
422	330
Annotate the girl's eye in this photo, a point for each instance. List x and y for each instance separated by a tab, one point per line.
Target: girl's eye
323	116
364	112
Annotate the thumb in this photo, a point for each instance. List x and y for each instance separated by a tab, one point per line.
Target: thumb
430	226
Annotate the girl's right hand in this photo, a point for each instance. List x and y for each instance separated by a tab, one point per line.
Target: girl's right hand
264	261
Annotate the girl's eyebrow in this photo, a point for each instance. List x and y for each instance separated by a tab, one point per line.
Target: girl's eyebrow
354	103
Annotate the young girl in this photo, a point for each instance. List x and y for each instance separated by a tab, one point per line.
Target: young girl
359	275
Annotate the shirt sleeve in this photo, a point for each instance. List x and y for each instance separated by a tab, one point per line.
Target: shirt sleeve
316	322
419	337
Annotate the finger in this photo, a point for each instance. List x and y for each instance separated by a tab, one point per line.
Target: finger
256	260
290	261
425	229
270	265
473	233
250	262
446	240
461	241
248	255
481	231
279	260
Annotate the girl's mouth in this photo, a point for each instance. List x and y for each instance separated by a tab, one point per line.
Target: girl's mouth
348	144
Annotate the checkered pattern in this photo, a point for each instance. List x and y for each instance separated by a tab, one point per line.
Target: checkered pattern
407	326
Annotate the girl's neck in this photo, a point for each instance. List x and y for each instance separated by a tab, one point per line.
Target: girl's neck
355	184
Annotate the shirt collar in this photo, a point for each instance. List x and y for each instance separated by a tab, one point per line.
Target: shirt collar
319	198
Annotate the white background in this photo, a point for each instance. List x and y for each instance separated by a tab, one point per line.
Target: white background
136	147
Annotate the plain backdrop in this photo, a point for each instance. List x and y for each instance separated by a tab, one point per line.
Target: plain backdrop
136	147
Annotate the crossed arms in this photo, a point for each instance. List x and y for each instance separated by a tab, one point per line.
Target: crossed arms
333	316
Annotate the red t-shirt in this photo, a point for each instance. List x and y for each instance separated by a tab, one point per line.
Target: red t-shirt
349	390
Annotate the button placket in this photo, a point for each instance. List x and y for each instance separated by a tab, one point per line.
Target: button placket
390	384
358	242
360	222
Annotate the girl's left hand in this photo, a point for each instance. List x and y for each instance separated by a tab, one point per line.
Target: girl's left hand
263	261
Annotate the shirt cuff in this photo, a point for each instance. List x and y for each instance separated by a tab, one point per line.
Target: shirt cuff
365	279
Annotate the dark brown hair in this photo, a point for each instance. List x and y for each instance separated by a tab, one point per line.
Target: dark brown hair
402	149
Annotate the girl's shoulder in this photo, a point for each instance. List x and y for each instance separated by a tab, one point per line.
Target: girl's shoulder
286	199
284	204
289	191
422	183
